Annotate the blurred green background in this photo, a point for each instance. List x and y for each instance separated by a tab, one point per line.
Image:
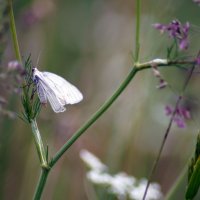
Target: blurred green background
90	43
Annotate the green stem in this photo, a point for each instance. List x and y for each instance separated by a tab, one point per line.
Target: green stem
13	31
39	144
164	63
137	31
108	103
94	117
41	184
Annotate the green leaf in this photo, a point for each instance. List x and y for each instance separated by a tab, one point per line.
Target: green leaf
194	182
194	173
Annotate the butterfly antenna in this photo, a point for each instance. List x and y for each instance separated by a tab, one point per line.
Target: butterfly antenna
38	58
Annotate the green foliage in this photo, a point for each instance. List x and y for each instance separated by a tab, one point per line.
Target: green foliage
31	103
194	173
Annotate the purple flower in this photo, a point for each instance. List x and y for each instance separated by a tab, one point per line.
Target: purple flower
162	83
197	2
177	31
179	122
11	78
168	110
16	66
182	114
156	72
185	113
197	61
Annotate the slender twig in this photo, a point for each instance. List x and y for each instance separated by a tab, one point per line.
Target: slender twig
168	130
39	144
108	103
14	32
41	184
163	63
94	117
161	147
190	74
36	133
137	31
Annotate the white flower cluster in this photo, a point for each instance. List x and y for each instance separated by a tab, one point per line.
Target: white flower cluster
122	185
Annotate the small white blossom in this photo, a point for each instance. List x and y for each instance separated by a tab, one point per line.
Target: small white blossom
97	177
121	185
92	161
153	192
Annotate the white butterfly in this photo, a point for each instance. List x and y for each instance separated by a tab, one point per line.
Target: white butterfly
56	90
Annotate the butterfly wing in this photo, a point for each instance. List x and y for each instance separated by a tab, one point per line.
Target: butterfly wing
65	91
50	94
56	89
41	93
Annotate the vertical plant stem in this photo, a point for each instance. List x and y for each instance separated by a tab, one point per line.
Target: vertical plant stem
95	116
137	31
39	144
161	147
41	184
13	31
43	160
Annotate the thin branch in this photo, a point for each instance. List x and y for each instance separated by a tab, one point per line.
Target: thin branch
137	31
39	144
161	147
163	63
109	102
14	32
94	117
41	184
170	124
